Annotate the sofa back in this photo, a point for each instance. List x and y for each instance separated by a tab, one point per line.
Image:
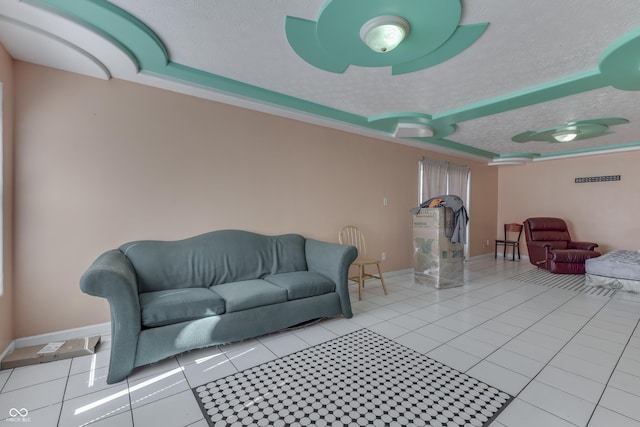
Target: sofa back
213	258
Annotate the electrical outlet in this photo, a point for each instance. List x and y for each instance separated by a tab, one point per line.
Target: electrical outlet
385	201
487	243
384	256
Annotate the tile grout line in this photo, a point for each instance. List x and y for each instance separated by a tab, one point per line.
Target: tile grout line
64	391
130	402
611	374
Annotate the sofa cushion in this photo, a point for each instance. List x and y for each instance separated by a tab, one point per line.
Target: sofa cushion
179	305
249	294
213	258
302	284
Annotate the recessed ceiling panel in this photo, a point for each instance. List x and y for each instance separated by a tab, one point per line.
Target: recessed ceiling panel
525	44
33	45
536	66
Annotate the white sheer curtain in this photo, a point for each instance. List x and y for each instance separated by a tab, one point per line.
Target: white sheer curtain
438	178
458	177
433	178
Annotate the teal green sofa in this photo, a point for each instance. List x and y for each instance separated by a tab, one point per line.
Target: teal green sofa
167	297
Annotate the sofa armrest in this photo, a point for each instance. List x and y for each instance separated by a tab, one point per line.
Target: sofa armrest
332	260
586	246
112	276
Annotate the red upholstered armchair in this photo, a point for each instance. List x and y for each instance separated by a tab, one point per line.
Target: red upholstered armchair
550	246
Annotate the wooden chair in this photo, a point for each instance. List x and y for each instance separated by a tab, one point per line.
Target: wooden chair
512	234
351	235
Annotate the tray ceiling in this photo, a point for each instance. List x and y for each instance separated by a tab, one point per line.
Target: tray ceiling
470	76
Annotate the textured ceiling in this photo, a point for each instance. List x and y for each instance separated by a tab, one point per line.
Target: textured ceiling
537	65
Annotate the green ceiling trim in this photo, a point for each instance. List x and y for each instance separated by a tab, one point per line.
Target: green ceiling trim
618	67
453	145
547	156
332	43
632	145
222	84
531	156
568	86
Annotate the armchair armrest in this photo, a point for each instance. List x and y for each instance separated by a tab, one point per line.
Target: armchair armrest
540	244
112	276
332	260
587	246
538	252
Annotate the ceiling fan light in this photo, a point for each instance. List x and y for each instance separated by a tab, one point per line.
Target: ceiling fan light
565	135
384	33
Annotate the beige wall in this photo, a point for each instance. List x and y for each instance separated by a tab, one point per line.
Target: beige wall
99	163
6	299
483	209
603	212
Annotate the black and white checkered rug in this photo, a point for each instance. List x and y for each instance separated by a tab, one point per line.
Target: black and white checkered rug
360	379
570	282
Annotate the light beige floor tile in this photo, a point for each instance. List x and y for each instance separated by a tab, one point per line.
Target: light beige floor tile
499	377
575	384
621	402
178	410
560	403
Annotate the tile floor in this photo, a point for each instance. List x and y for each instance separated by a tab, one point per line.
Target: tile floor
571	359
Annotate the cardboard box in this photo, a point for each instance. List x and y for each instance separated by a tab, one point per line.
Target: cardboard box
32	355
437	261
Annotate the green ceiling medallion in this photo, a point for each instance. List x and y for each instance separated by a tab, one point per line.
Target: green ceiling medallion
333	42
619	63
572	131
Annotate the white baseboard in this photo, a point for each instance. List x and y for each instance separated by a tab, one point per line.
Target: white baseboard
508	258
478	257
397	272
85	331
487	256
